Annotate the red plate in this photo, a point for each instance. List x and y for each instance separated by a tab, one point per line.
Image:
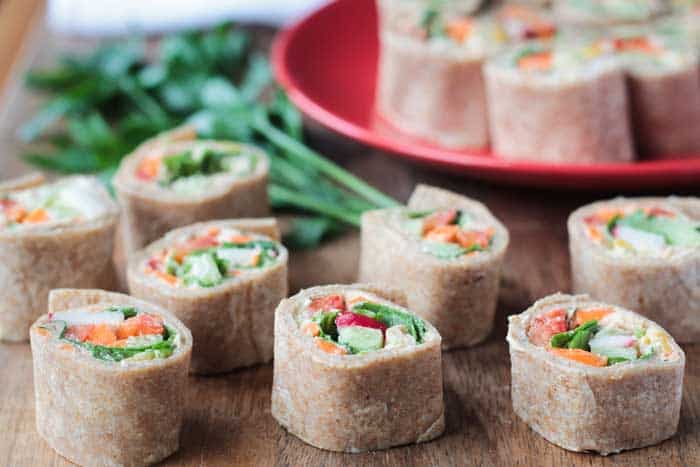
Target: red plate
327	62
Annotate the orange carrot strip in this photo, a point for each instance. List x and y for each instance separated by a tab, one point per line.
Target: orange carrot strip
459	29
310	328
584	316
330	347
37	216
148	168
581	356
538	61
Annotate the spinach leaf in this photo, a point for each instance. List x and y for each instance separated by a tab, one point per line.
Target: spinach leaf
674	230
392	317
326	322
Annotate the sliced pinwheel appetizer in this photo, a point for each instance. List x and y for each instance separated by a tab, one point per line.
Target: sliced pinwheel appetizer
110	378
664	91
445	252
608	12
576	102
222	279
52	235
442	50
344	356
176	180
644	254
573	357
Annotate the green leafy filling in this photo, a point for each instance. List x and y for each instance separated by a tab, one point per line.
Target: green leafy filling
577	338
205	162
209	267
675	231
393	317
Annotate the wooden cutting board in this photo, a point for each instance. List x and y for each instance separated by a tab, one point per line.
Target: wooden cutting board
227	420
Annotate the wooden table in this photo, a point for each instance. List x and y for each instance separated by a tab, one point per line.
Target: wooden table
227	420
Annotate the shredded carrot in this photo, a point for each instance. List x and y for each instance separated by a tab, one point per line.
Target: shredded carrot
330	347
540	61
659	212
358	299
213	231
66	347
439	219
443	233
102	334
636	44
256	259
42	332
310	328
603	216
594	233
468	239
584	316
459	29
240	239
581	356
169	278
37	216
148	168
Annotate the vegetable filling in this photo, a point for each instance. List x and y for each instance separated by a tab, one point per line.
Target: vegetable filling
450	233
115	333
649	231
69	201
188	171
598	336
211	257
342	325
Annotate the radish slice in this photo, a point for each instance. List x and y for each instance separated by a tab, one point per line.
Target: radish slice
639	239
79	317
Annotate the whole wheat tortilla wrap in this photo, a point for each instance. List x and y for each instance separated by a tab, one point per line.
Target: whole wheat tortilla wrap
445	251
558	105
347	378
230	314
52	235
174	180
430	83
664	93
106	403
643	254
583	400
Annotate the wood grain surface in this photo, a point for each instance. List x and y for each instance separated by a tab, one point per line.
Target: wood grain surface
227	419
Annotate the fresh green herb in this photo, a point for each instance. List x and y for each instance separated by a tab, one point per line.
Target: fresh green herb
582	335
115	98
326	322
419	214
393	317
614	360
576	338
639	333
431	21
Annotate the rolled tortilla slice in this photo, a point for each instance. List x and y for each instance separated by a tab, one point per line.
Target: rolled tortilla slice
352	368
643	254
608	12
575	100
54	235
430	83
27	181
223	279
110	378
175	180
445	252
664	92
588	376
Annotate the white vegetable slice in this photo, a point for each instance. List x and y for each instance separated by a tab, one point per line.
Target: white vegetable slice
639	239
79	317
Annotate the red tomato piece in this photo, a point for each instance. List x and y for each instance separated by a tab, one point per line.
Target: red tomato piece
197	243
544	326
79	332
349	318
328	303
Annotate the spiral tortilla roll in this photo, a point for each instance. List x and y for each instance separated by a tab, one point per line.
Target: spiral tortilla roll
106	413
